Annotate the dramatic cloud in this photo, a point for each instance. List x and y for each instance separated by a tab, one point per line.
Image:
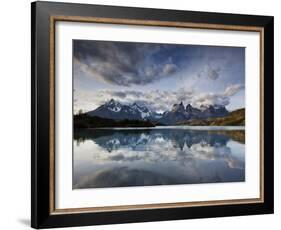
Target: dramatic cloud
155	99
210	72
214	73
124	64
222	99
233	89
157	75
207	99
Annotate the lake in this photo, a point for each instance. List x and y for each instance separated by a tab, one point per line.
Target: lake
157	156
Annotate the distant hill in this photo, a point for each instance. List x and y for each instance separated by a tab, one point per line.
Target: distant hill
234	118
236	135
86	121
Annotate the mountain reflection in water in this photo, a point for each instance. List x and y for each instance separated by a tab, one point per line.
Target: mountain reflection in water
166	156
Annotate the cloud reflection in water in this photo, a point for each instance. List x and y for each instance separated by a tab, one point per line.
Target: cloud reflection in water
117	158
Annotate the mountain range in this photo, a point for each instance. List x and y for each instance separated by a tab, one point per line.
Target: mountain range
178	114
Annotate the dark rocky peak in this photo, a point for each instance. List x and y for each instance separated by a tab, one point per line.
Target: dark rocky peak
215	111
178	107
112	102
189	108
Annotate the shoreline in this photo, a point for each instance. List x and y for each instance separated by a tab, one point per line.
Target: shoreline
224	128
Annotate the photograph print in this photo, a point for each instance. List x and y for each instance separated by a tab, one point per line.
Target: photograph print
149	114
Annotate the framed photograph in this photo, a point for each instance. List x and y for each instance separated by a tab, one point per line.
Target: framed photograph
147	114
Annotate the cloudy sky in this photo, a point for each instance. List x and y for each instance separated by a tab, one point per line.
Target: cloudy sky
157	75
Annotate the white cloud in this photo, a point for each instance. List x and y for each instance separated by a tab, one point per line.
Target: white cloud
155	99
233	89
207	99
222	99
197	151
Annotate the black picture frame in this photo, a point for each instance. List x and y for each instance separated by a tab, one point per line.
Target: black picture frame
42	135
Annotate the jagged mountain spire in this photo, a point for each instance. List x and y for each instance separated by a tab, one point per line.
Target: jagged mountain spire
118	111
179	113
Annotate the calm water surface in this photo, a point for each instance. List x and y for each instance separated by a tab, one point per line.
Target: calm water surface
158	156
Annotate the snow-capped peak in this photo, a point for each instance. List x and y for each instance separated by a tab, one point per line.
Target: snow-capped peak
113	105
142	109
